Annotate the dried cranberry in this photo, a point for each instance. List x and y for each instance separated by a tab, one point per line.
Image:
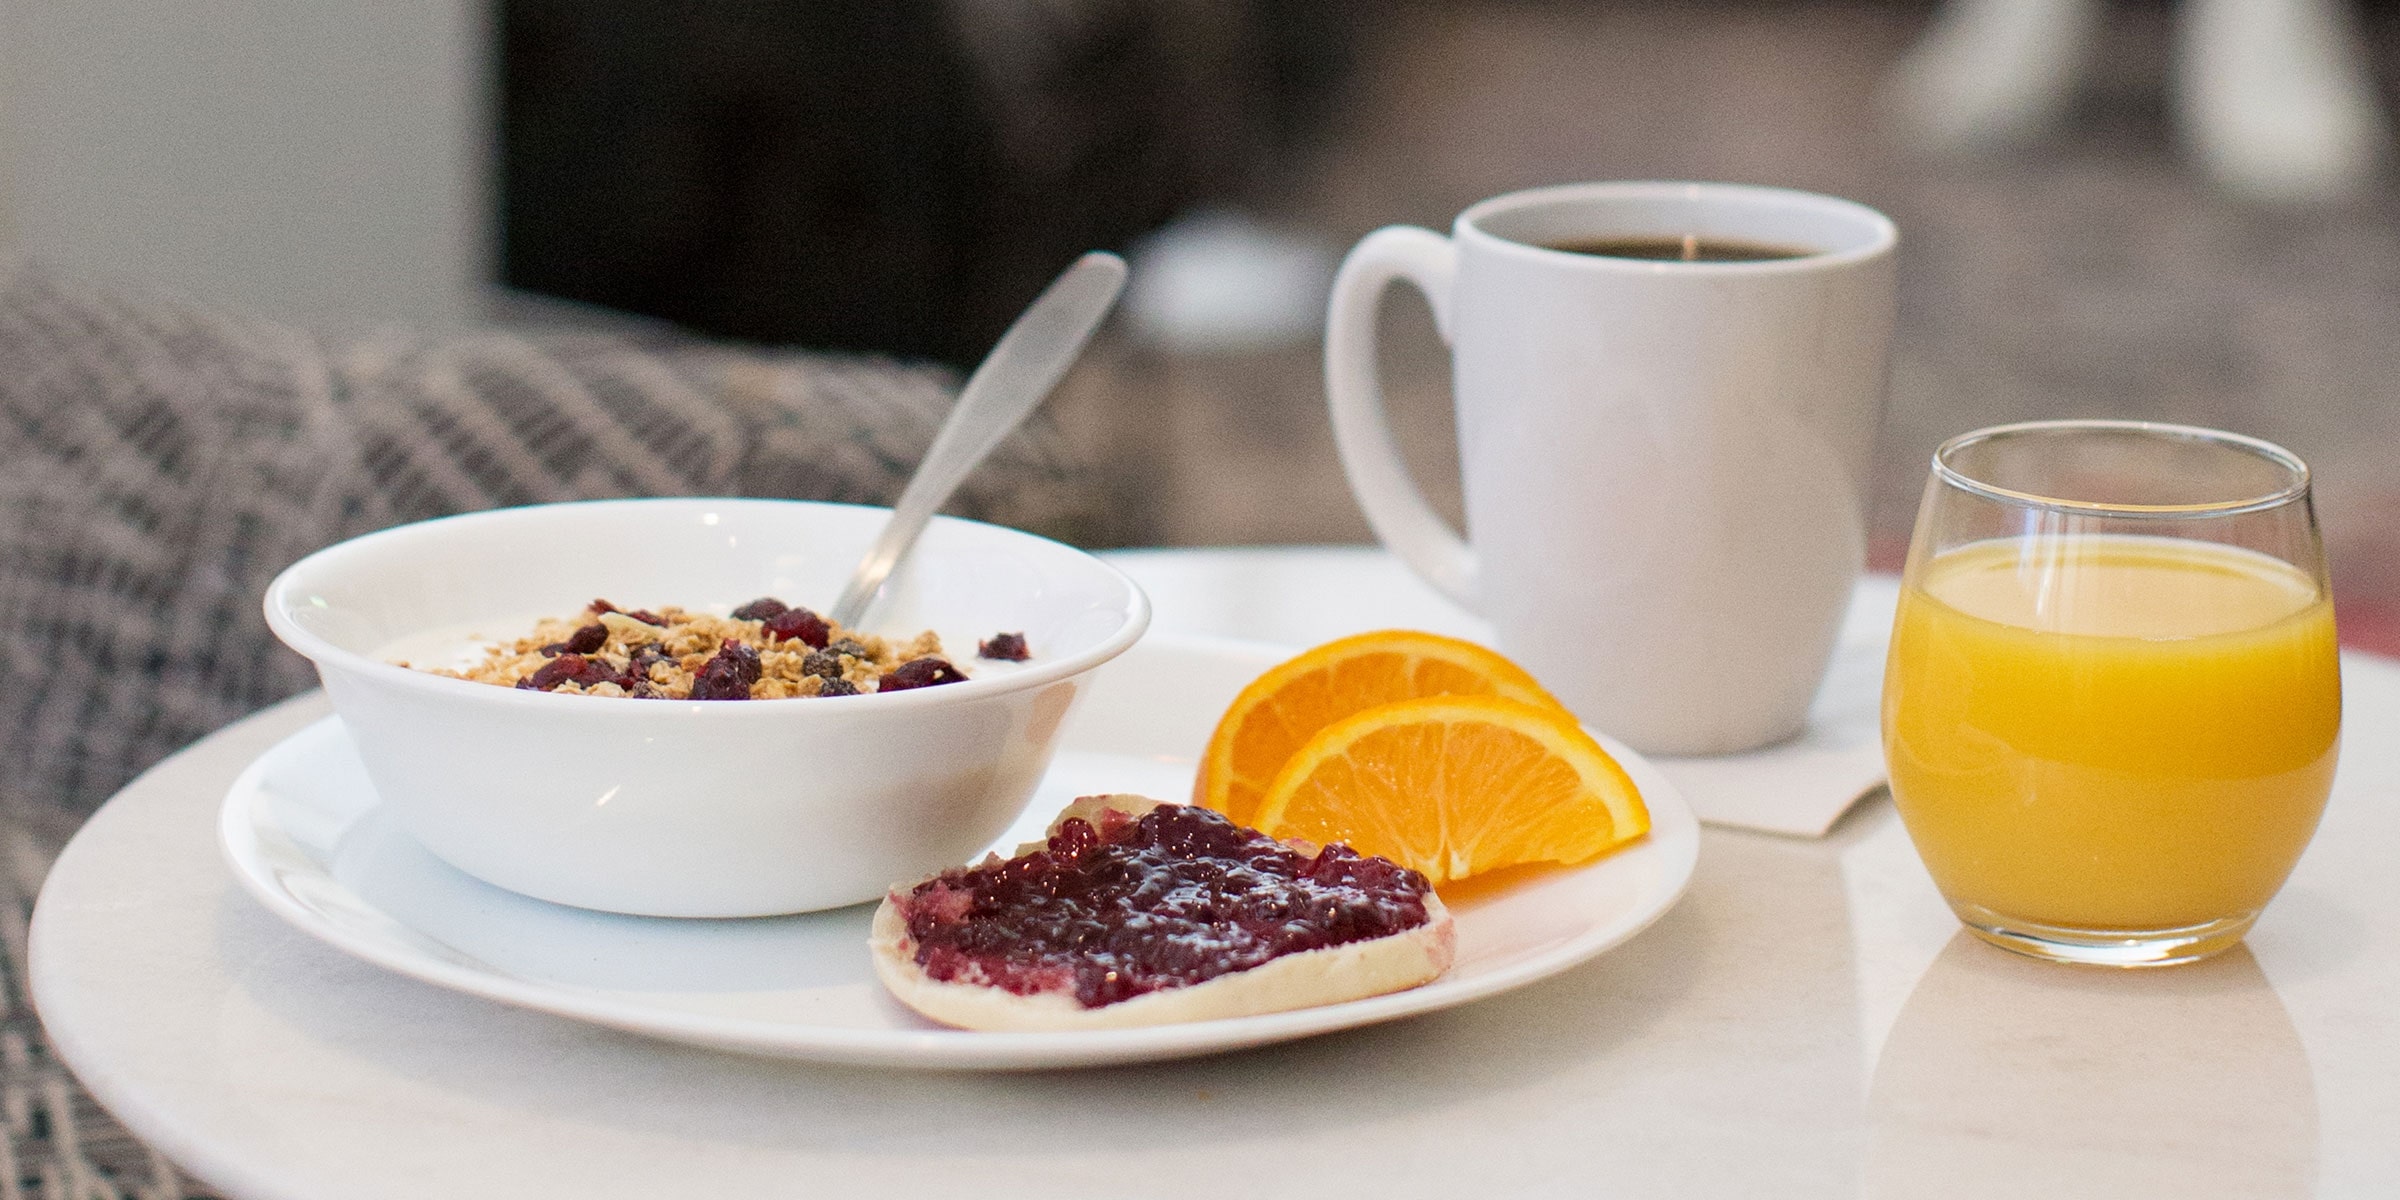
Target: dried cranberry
919	672
555	672
799	623
1006	647
645	616
637	668
744	659
648	654
575	669
837	687
728	675
759	609
1180	896
587	639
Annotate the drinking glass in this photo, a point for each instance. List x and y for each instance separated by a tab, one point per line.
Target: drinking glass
2112	706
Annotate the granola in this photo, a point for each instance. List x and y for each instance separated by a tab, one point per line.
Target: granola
764	650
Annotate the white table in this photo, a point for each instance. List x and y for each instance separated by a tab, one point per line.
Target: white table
1808	1022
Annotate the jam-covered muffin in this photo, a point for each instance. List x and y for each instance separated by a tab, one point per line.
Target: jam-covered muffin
1136	912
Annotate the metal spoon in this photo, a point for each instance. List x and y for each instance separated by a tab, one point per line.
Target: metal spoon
1011	380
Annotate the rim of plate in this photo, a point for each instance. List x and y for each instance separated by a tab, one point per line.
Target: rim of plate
1674	836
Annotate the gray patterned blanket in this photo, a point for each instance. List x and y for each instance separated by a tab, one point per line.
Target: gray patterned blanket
161	461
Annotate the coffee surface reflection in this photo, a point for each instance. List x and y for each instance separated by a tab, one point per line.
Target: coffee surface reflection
1688	248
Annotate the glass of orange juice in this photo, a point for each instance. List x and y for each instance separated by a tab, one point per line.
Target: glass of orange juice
2112	704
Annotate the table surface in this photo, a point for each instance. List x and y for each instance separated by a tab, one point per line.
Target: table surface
1809	1021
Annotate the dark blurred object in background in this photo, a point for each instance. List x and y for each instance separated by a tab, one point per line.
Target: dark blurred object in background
890	175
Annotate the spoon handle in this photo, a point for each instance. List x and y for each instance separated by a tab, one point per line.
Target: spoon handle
1012	379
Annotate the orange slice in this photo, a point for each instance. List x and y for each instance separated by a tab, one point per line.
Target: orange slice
1283	708
1455	786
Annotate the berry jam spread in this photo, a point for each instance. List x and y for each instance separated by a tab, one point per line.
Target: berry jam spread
1180	896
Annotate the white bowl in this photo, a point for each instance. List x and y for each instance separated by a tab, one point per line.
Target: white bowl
712	808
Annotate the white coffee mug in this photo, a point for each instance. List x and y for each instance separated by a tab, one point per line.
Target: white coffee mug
1665	461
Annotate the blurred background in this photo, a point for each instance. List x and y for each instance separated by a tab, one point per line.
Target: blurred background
2138	208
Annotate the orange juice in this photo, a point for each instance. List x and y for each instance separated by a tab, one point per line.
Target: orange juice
2111	733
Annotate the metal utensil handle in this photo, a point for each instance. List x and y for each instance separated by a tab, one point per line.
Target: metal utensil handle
1019	372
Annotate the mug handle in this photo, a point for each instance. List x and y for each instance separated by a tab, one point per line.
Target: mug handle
1395	508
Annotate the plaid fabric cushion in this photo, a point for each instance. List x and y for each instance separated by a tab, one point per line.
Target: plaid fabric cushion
163	460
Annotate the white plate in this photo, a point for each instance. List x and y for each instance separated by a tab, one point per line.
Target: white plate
304	834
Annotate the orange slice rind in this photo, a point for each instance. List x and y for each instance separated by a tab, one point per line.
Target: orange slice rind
1282	709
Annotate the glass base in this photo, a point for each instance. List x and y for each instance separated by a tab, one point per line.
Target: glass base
2105	947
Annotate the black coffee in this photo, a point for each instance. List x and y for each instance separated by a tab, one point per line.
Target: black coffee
1680	249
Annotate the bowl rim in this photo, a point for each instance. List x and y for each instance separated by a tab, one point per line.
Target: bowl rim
324	654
